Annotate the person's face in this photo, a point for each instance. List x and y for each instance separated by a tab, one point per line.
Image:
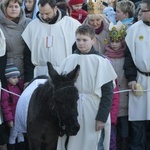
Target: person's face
116	45
84	43
120	15
13	80
47	12
95	21
29	4
145	12
77	7
13	10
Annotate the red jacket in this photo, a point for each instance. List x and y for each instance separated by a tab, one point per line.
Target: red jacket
115	107
9	105
79	15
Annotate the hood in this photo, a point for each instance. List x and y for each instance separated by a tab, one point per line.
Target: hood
59	16
11	24
109	10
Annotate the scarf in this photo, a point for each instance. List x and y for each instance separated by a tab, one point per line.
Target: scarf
100	29
115	54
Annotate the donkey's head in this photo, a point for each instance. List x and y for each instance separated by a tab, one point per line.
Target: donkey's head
65	96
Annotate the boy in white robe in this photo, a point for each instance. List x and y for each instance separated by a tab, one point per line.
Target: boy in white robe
95	85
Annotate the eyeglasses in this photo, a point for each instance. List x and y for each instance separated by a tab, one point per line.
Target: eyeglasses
145	10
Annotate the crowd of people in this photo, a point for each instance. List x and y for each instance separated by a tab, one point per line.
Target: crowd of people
108	39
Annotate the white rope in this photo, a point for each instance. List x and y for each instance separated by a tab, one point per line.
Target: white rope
121	91
129	90
10	92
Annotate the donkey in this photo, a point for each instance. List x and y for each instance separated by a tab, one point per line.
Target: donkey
52	110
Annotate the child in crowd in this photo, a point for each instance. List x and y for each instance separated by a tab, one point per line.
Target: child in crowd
9	102
63	5
115	52
31	8
96	91
125	12
76	10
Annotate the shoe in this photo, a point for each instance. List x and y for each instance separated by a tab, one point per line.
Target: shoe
124	143
21	146
11	147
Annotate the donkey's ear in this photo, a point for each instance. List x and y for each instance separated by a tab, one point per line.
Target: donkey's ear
52	72
74	73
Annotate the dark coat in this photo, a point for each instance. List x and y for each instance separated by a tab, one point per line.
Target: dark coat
129	67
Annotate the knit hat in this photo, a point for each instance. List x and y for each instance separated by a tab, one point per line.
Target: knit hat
11	71
75	2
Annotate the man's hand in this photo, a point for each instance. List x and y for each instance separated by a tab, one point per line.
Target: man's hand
132	85
99	125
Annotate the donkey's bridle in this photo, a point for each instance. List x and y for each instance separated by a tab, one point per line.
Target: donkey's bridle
61	124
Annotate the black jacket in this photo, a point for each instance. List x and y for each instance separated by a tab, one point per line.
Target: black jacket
129	66
3	61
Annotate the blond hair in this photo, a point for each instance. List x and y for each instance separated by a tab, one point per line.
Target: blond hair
126	6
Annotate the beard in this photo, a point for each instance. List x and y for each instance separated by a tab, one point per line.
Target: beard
48	20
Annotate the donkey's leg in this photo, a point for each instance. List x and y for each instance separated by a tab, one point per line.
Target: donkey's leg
34	144
51	145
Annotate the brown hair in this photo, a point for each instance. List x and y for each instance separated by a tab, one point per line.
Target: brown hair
86	30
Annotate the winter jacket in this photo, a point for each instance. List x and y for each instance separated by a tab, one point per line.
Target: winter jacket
129	67
9	101
79	15
14	43
115	107
110	14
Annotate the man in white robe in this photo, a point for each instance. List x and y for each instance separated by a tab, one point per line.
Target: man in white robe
137	70
49	37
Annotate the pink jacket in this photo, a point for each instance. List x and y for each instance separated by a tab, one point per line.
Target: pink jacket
115	107
8	108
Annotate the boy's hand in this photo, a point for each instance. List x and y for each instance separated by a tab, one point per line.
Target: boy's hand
99	125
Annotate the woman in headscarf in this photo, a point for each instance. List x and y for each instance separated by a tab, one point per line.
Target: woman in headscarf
12	22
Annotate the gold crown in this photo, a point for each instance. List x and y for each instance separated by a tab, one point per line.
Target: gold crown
117	32
95	7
